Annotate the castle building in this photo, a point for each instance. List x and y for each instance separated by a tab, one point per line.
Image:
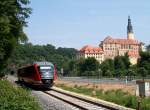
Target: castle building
111	47
89	51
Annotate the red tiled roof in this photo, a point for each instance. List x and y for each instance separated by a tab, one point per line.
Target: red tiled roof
133	54
90	49
120	41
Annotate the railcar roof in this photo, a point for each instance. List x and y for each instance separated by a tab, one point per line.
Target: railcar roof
43	63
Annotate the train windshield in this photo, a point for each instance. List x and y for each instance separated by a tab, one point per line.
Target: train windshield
46	71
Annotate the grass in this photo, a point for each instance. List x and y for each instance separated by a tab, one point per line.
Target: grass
16	98
115	96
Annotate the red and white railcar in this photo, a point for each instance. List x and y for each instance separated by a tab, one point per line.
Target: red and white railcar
39	73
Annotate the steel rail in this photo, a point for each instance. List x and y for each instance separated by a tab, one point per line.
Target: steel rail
69	102
85	100
107	105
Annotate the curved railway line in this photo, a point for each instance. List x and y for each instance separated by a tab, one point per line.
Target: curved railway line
83	102
78	101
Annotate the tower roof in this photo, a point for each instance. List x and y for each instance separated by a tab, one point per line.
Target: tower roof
129	26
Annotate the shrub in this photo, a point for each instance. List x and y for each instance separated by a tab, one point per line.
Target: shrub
145	104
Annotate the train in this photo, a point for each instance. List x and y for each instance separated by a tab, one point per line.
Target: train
39	74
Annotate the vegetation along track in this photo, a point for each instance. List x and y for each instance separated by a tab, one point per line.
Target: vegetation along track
81	102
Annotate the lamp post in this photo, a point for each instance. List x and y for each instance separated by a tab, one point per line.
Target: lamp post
62	71
99	73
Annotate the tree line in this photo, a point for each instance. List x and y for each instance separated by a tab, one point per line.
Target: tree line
65	58
13	14
120	66
28	53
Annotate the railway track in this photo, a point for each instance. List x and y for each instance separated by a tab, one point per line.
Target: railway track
81	102
78	103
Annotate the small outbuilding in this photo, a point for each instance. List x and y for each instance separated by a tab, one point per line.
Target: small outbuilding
143	88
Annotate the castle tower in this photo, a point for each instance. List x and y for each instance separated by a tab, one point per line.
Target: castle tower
130	34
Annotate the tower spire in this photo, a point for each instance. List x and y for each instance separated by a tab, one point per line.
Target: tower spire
130	34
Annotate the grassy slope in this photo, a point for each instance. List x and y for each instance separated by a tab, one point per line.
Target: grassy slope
16	98
116	96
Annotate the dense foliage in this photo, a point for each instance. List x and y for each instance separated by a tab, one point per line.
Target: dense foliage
116	67
16	98
13	14
107	67
121	66
87	66
65	59
27	54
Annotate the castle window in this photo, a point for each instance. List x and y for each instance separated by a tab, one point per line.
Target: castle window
121	46
129	46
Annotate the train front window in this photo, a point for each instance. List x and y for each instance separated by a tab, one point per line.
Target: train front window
46	71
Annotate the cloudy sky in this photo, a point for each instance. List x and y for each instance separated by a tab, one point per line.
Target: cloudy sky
75	23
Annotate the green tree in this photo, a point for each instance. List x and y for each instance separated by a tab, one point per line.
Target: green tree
80	66
148	48
126	61
132	71
70	67
120	73
89	64
121	64
69	52
13	14
143	72
107	67
144	61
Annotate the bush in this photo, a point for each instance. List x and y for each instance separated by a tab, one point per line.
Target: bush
16	98
145	104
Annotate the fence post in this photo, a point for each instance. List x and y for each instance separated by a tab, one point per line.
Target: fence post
138	103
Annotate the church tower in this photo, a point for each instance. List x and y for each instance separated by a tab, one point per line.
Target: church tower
130	34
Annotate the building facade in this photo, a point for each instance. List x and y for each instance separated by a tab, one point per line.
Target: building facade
111	47
89	51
